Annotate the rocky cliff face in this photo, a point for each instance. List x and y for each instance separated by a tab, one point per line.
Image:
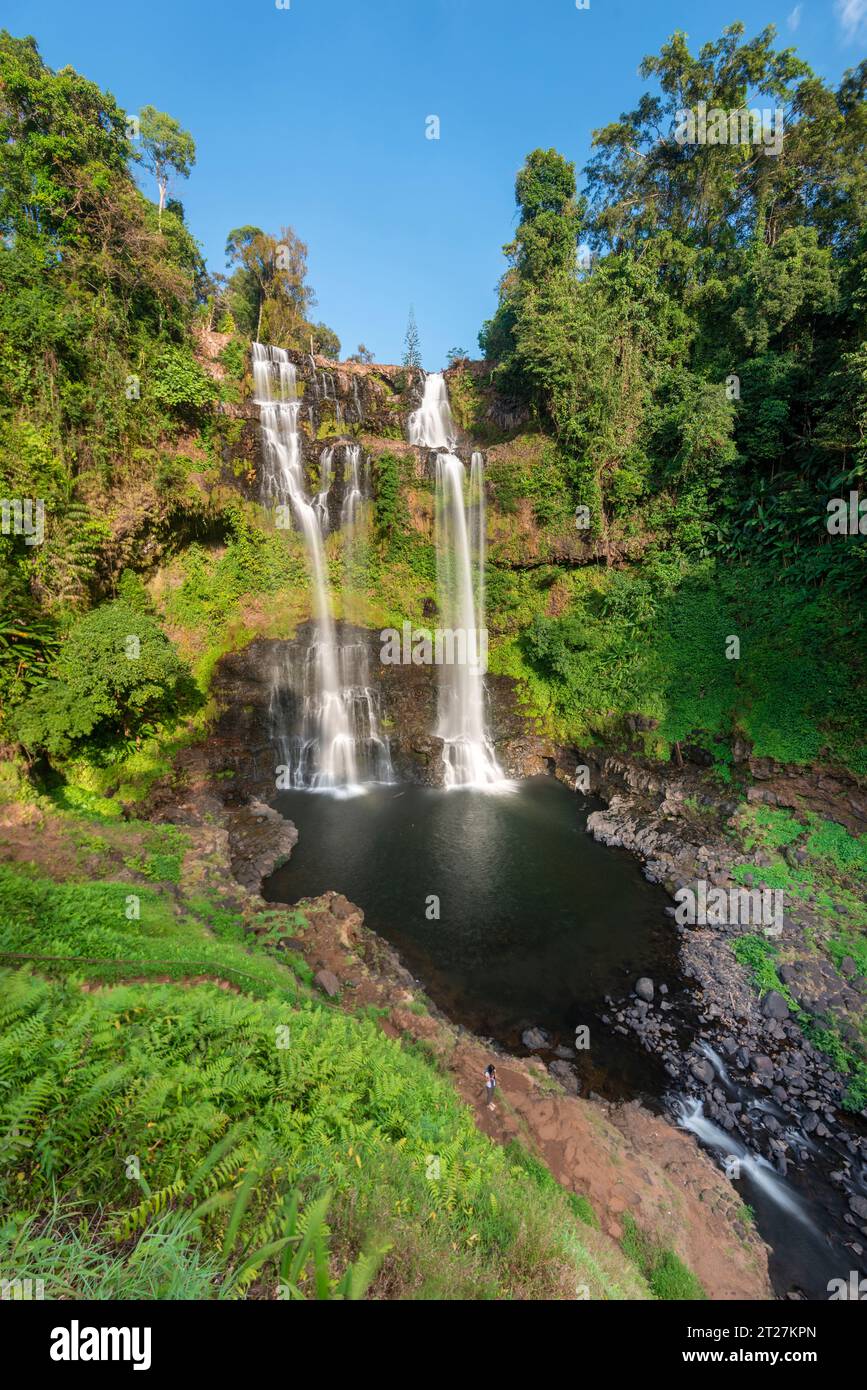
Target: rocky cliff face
345	404
342	403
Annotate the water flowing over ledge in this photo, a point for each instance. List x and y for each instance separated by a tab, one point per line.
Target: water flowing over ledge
324	713
468	754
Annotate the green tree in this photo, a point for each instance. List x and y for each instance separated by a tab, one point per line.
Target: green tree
325	341
61	141
116	674
268	292
411	347
167	149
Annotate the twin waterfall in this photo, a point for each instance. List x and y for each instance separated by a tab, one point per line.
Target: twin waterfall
460	546
324	712
321	694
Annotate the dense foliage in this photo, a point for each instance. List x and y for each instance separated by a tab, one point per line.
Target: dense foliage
108	416
116	675
692	331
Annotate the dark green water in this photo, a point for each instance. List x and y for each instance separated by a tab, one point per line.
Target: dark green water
537	922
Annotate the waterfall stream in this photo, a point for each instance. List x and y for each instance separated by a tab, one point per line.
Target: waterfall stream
324	712
351	509
468	755
690	1115
326	474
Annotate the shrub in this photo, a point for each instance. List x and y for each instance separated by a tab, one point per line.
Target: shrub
179	384
117	674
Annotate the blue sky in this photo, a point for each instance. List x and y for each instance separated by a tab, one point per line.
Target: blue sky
314	115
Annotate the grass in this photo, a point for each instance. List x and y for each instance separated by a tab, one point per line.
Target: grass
849	945
163	856
665	1272
652	639
834	860
523	1161
108	930
759	956
765	825
67	1243
833	844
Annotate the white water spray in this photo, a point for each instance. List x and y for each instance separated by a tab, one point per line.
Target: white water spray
432	425
715	1060
351	510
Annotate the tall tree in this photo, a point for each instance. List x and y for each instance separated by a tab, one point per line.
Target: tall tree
411	345
325	341
268	293
642	179
61	139
537	291
166	149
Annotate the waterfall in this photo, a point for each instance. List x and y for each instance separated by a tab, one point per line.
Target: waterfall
351	510
432	426
300	716
352	524
337	745
326	474
460	546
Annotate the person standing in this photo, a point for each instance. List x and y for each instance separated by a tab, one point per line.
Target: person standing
490	1084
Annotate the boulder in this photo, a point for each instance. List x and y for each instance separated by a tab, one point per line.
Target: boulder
566	1075
537	1039
327	982
702	1070
644	989
774	1005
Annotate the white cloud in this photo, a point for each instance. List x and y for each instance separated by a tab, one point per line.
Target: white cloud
852	15
794	19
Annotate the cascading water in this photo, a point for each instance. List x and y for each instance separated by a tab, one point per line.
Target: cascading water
468	756
337	745
690	1115
326	474
432	425
352	496
297	715
353	520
